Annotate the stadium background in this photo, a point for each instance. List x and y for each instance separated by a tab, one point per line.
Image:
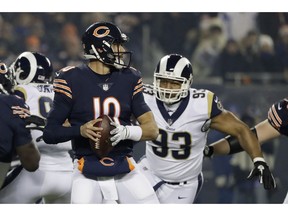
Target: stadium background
247	83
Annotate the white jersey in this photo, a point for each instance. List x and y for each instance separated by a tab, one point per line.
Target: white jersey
177	154
39	98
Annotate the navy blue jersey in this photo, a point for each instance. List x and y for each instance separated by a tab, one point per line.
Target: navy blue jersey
12	127
82	95
278	116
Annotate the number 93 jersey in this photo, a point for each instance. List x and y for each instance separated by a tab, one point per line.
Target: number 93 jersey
177	154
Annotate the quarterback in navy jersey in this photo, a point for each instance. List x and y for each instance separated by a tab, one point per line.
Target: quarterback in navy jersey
272	127
85	95
106	85
15	137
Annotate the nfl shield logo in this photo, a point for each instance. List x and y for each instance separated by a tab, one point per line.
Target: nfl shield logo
105	87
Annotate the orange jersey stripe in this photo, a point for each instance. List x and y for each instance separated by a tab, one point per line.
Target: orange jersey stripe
276	115
60	81
59	86
139	90
272	118
63	92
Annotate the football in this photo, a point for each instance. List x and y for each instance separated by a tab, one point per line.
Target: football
103	146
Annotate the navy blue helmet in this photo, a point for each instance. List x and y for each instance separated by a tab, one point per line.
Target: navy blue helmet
31	67
97	41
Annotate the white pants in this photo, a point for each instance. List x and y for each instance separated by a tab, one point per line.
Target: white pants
128	188
28	187
182	193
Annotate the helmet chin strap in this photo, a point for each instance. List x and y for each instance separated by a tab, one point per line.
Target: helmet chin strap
97	56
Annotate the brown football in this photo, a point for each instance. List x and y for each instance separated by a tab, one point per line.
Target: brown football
103	146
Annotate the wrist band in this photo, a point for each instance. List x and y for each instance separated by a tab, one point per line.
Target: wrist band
256	159
134	132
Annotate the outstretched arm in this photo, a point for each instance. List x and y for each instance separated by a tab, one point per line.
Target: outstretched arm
228	123
263	131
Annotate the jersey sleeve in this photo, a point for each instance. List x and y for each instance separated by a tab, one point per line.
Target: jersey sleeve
139	105
54	131
214	105
21	135
278	116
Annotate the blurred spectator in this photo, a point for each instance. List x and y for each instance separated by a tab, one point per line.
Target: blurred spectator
237	25
270	23
250	49
208	49
268	60
177	32
281	49
71	51
230	60
33	44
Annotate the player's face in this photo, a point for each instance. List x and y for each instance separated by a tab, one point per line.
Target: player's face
170	84
118	50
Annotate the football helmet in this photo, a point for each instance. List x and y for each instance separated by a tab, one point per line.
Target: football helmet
176	68
6	79
31	67
97	44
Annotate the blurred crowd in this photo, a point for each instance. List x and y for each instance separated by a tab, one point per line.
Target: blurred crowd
218	44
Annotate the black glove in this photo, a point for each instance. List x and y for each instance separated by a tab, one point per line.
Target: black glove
208	151
261	169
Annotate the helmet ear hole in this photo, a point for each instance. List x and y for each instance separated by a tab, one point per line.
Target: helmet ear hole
176	68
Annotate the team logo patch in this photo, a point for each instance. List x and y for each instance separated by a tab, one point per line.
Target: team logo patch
219	105
206	125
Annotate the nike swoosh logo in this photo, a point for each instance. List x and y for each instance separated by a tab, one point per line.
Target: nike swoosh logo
179	197
57	74
279	107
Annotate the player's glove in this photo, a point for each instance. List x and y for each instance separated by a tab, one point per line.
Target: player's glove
22	112
261	169
208	151
124	132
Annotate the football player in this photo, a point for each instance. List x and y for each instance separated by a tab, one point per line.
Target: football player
173	162
270	128
5	80
32	74
107	85
15	137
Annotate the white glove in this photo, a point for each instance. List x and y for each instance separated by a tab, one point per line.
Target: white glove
124	132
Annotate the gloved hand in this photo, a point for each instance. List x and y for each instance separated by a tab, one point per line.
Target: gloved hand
124	132
119	133
261	169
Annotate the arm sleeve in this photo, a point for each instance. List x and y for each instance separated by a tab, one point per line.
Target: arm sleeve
54	131
139	105
21	135
215	104
278	116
